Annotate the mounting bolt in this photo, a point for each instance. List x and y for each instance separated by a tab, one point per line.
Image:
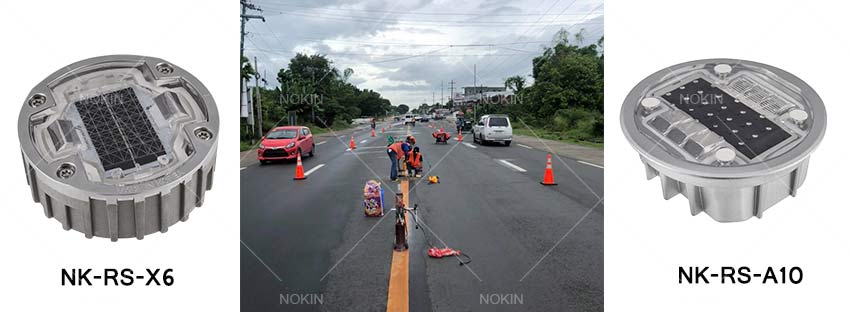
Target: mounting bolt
164	68
650	103
724	155
798	116
722	70
37	100
66	170
203	134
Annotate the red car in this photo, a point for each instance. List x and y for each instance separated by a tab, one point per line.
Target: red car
285	143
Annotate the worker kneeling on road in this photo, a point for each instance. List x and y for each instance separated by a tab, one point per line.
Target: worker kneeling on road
441	136
397	150
414	163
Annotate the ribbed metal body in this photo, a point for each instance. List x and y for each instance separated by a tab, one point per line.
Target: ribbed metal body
117	217
732	136
119	146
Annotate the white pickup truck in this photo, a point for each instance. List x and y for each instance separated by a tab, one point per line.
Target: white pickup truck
410	119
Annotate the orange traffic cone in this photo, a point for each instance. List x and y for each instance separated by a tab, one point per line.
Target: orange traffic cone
299	170
351	143
459	137
373	133
383	129
549	176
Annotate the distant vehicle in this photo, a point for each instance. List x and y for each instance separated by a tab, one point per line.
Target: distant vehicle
286	143
493	128
424	118
410	119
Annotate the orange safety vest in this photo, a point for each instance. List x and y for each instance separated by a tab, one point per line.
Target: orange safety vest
414	161
396	147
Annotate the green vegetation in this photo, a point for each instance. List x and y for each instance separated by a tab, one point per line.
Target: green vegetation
565	101
315	94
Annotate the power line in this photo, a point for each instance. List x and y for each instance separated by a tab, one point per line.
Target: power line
380	43
359	19
285	6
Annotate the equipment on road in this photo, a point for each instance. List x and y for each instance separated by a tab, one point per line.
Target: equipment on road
373	133
732	136
118	146
433	179
383	129
351	143
459	137
548	176
401	231
299	169
373	199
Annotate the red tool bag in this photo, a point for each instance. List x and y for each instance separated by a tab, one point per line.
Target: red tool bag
435	252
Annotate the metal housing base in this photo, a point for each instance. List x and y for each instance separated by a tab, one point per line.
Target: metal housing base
122	217
732	203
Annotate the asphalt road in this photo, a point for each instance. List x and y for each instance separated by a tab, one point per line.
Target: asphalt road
306	245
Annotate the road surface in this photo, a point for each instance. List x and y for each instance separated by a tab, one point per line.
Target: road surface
306	245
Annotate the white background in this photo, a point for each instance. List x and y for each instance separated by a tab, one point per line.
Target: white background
648	238
39	38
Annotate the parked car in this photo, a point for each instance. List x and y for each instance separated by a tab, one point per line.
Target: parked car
286	143
493	128
410	119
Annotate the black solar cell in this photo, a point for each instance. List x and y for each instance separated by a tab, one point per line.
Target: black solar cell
119	129
745	129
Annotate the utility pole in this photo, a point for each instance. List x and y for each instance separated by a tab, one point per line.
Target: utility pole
475	85
259	108
245	5
452	91
442	99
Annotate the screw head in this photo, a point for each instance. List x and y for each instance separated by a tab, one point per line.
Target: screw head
37	100
203	134
650	103
725	154
66	170
798	115
722	69
164	68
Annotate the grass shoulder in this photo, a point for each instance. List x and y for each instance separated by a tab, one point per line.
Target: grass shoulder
556	136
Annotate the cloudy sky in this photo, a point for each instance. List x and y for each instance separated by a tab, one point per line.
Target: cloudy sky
404	49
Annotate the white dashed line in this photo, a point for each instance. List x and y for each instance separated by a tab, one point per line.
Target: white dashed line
592	165
523	145
364	141
243	168
323	142
512	166
314	169
470	145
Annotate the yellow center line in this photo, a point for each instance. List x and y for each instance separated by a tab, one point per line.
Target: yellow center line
397	295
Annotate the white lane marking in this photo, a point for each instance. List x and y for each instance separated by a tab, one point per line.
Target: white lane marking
364	141
323	142
314	169
243	168
512	166
469	144
523	145
592	165
347	149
